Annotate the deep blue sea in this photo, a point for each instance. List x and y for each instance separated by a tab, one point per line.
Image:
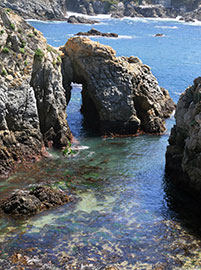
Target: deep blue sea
128	214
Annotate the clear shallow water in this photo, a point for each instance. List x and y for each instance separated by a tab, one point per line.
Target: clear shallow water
127	213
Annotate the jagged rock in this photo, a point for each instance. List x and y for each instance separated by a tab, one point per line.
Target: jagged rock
30	84
183	156
25	203
82	20
94	32
37	9
119	93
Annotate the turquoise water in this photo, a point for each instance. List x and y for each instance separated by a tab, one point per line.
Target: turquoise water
127	214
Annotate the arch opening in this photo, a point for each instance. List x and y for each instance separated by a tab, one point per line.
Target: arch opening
82	115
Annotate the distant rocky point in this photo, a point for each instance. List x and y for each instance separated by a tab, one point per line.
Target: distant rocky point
80	20
94	32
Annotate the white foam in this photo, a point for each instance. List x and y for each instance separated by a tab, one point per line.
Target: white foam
99	16
166	27
80	147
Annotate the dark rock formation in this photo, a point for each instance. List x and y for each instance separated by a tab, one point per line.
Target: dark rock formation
94	32
26	203
80	20
159	35
32	98
183	156
120	93
37	9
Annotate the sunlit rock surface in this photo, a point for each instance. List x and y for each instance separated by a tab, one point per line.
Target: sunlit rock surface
32	98
120	93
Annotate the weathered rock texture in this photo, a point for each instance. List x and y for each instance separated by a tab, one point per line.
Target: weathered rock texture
120	93
25	203
32	98
37	9
183	156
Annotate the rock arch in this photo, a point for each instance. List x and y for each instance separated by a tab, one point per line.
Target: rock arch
120	92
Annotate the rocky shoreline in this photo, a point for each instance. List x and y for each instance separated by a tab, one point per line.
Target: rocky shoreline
58	9
120	93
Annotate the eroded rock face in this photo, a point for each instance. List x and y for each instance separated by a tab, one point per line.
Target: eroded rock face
118	92
37	9
183	156
32	98
26	203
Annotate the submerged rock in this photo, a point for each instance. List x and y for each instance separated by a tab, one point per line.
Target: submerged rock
25	203
94	32
183	156
80	20
120	94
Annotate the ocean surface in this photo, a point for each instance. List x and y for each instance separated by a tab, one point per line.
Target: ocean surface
128	213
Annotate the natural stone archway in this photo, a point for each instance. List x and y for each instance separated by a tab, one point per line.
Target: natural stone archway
120	91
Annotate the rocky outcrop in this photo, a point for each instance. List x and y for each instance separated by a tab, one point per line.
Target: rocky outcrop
37	9
192	16
183	156
119	93
94	32
80	20
26	203
32	98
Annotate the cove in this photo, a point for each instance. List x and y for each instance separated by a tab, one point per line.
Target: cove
129	216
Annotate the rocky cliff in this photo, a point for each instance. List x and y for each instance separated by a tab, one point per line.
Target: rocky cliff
32	98
119	93
37	9
183	156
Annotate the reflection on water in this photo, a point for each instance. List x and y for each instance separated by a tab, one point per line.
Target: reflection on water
126	214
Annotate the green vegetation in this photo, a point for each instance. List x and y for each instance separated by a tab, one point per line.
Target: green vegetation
26	63
39	54
8	10
35	33
23	43
12	26
51	49
19	30
22	50
30	35
2	32
68	151
3	73
5	50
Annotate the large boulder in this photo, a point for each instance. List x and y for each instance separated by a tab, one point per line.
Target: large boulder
120	93
26	203
32	97
37	9
183	156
